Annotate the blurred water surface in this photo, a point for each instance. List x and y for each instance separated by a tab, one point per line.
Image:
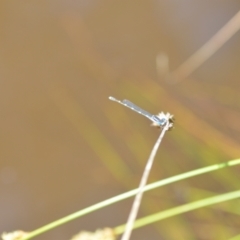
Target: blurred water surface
65	146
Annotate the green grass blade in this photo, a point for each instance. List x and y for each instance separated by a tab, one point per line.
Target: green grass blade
129	194
179	210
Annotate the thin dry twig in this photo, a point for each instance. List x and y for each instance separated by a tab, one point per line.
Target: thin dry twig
207	50
138	197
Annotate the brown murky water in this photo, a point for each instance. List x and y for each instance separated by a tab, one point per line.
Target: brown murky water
65	146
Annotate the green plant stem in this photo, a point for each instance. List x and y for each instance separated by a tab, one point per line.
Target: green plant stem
235	238
178	210
126	195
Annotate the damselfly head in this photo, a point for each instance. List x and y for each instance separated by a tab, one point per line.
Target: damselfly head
165	119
